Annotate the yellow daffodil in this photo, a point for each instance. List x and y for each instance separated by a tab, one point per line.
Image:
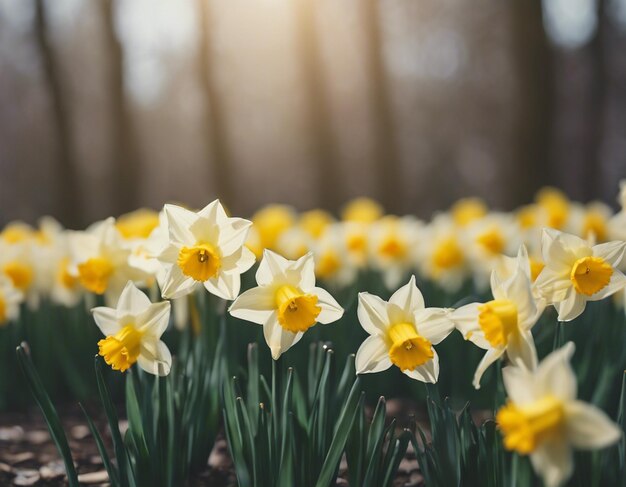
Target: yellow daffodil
270	222
286	302
503	326
137	224
576	272
10	299
133	332
393	243
204	249
402	333
467	210
100	260
489	238
442	253
543	418
362	210
315	222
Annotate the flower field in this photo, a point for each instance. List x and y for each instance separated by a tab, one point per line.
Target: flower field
502	334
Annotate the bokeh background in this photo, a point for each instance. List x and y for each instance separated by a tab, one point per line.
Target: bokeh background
108	105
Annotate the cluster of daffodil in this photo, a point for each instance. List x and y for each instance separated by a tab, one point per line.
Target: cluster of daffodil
567	254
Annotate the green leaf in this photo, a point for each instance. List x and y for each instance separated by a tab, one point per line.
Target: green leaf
49	412
118	445
328	472
113	475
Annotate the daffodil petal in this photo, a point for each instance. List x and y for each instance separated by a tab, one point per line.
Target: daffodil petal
255	305
489	358
372	356
590	428
372	314
331	310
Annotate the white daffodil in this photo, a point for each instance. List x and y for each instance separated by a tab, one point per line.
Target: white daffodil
490	237
10	299
576	272
333	264
100	260
133	332
442	253
543	419
502	326
205	249
590	221
294	242
286	302
393	242
16	263
402	333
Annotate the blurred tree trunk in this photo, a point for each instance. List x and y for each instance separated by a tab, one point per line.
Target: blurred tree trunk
386	155
535	72
596	108
219	154
65	170
320	118
124	154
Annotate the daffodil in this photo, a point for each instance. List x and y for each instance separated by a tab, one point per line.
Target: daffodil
467	210
286	302
10	299
100	260
315	222
489	238
133	332
402	333
333	264
576	272
543	419
204	249
362	210
393	243
294	242
503	325
442	253
17	262
554	208
270	222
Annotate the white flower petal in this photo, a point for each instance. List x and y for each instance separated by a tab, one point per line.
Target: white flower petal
271	266
552	460
553	285
519	384
555	375
232	238
179	222
408	297
372	356
174	284
214	211
611	252
616	283
154	320
255	305
590	428
465	319
429	372
372	314
225	286
132	301
302	272
277	338
572	306
154	357
434	324
560	250
489	358
331	310
106	319
521	350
